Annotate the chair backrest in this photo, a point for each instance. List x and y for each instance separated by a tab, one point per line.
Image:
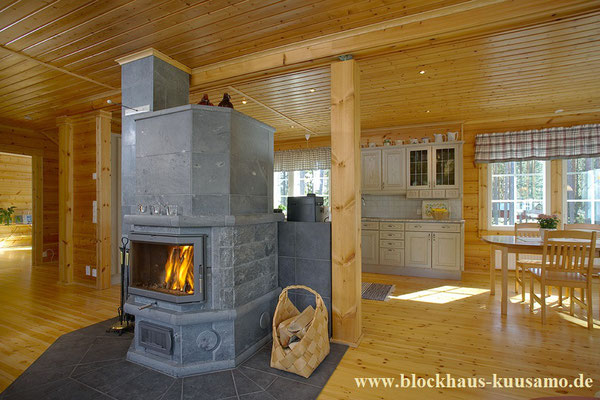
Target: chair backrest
527	229
571	251
585	227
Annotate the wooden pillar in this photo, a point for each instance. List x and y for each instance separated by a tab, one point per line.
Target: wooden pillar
37	183
346	203
556	182
65	199
103	199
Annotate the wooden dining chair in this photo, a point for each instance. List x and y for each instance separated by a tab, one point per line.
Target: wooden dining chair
583	227
566	262
526	229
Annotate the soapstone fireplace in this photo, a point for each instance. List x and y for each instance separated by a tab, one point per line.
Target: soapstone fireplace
203	283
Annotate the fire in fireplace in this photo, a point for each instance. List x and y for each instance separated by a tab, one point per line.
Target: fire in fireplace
166	268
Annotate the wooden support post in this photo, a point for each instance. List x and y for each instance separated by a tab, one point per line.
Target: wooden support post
37	183
556	199
103	199
65	199
346	204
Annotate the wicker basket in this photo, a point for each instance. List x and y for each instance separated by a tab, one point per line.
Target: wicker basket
308	353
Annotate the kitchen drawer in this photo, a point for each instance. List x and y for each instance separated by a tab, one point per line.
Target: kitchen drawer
369	225
432	227
412	194
391	226
438	193
425	194
452	193
395	244
389	256
394	235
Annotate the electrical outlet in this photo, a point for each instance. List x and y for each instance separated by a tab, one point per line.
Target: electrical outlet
87	270
94	176
94	272
45	253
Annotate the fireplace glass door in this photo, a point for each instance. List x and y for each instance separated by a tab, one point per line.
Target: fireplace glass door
166	271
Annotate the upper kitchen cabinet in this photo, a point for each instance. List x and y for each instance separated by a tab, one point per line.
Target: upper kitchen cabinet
370	161
383	170
434	171
418	167
393	174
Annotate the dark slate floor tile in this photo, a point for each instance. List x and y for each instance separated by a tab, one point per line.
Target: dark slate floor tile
285	389
174	392
336	353
106	348
31	379
149	385
261	378
218	385
257	396
62	354
35	392
82	369
73	390
243	384
109	376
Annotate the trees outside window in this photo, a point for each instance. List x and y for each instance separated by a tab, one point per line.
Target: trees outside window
582	191
517	192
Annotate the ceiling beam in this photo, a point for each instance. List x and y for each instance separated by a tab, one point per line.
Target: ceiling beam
260	103
468	19
55	68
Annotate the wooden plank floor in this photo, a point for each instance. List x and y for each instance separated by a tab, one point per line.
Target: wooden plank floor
460	332
35	310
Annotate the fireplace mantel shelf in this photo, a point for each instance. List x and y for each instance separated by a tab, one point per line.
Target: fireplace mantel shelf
178	221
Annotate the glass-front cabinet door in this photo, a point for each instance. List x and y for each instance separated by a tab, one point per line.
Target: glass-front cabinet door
418	167
445	171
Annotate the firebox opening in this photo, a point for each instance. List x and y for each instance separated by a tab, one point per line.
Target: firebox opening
164	268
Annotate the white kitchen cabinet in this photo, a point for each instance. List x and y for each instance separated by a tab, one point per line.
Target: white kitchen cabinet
417	249
445	163
370	161
445	250
393	170
370	247
418	167
391	256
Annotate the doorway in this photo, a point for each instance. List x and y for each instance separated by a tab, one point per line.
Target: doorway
16	202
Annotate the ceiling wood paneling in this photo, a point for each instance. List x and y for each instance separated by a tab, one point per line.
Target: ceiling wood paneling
483	58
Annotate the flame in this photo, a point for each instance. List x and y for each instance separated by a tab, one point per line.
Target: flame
180	269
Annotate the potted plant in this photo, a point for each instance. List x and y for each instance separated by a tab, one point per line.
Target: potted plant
547	223
6	214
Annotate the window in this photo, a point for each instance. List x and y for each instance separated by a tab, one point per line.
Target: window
582	191
300	183
517	192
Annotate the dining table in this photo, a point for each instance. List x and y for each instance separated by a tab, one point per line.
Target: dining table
508	244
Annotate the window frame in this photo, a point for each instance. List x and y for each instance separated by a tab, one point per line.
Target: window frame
565	201
547	196
293	176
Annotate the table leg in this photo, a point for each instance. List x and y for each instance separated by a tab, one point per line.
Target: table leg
492	270
504	304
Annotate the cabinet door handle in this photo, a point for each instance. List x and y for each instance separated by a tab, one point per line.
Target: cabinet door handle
434	237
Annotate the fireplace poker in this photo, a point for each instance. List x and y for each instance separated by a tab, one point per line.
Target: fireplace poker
123	323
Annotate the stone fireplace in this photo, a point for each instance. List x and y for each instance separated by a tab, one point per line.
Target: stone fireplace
203	282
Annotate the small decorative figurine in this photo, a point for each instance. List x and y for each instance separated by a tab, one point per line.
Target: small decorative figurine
226	101
205	101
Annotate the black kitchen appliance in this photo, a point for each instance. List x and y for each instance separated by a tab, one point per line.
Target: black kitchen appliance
307	208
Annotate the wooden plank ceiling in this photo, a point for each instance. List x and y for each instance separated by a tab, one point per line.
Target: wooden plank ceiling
57	57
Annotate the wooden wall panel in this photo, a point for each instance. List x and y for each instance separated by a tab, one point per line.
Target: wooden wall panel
25	141
84	195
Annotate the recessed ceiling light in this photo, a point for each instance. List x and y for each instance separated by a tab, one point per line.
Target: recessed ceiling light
422	71
244	101
28	117
291	126
312	90
427	111
559	111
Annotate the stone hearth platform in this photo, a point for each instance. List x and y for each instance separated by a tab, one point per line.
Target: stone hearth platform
90	364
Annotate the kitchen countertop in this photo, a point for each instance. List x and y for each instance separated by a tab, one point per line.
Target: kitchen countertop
418	220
